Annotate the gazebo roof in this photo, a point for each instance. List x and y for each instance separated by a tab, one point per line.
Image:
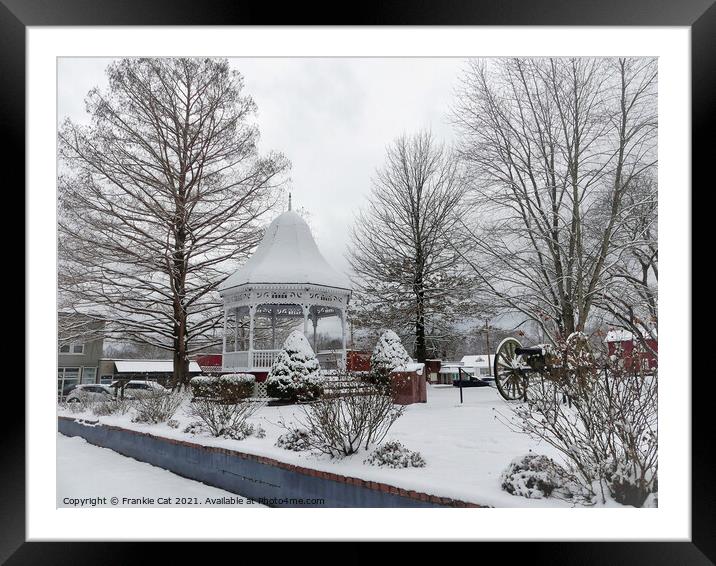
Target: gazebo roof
287	254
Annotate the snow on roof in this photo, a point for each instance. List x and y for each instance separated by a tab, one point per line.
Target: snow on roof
413	366
475	361
450	367
287	254
150	366
619	336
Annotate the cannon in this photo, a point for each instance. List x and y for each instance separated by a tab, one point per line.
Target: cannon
565	364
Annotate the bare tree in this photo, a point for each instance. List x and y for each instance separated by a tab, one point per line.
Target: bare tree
159	195
408	277
629	298
555	147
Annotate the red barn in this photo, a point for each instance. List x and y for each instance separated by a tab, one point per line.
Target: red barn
622	343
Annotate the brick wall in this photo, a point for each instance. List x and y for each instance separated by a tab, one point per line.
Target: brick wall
252	476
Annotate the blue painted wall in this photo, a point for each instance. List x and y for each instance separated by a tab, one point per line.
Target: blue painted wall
272	485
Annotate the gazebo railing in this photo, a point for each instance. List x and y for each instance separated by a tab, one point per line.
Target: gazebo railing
261	359
264	358
236	360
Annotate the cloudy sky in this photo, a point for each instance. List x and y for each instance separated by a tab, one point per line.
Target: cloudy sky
332	117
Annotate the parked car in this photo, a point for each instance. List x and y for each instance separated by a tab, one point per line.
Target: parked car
67	389
89	392
134	389
474	381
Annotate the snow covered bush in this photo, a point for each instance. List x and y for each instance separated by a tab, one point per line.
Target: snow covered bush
74	407
625	486
114	406
340	426
295	439
224	419
606	433
388	354
394	455
295	372
157	406
652	500
228	388
536	477
81	402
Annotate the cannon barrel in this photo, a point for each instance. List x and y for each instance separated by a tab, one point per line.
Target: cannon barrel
529	351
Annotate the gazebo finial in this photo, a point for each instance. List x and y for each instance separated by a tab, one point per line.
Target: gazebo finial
289	201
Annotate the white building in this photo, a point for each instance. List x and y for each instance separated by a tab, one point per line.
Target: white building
474	365
479	365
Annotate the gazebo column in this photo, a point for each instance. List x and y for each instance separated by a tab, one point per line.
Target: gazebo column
314	317
252	312
273	327
226	315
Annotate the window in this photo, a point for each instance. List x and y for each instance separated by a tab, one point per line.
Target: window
67	377
89	375
72	348
105	379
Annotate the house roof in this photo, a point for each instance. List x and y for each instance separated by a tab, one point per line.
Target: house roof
150	366
619	336
287	254
475	361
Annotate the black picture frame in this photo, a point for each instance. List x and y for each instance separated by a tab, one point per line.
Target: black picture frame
699	15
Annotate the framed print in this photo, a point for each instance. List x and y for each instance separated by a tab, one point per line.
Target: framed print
387	279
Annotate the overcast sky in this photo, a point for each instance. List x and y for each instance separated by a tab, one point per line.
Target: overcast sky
332	117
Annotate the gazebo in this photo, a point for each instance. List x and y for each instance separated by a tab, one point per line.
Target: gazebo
285	280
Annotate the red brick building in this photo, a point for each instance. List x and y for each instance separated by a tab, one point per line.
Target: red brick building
623	344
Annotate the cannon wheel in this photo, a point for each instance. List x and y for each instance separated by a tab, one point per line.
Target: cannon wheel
510	381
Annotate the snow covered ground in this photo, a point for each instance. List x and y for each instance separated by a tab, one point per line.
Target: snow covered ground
90	476
465	446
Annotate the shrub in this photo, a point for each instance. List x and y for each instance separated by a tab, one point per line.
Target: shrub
229	388
114	406
74	407
394	455
625	486
388	354
607	433
535	477
340	426
224	419
295	372
157	406
295	439
80	403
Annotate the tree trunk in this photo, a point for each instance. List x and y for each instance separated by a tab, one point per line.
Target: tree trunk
420	348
